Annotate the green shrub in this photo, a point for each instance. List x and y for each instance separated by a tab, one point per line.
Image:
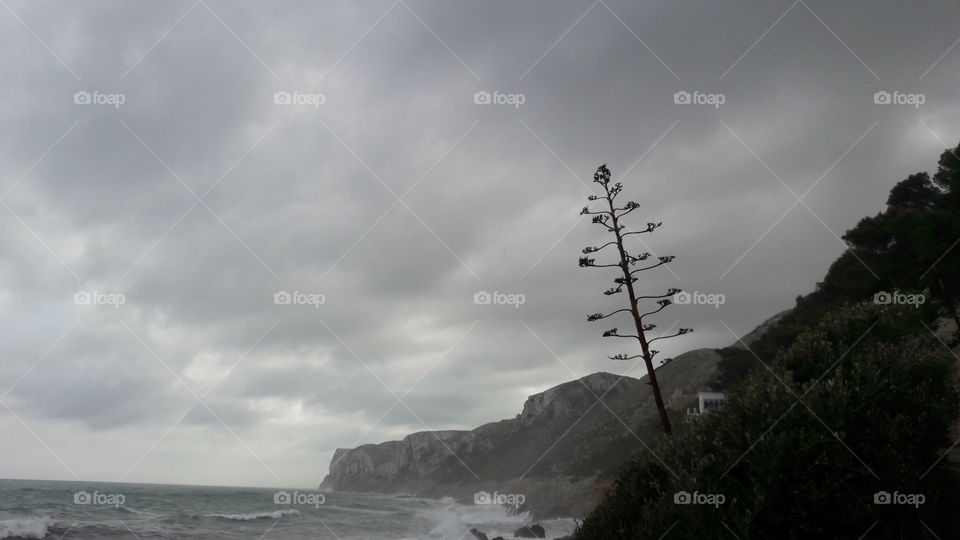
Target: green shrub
859	404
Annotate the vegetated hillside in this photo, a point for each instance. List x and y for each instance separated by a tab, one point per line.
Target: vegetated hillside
556	452
909	247
858	407
860	400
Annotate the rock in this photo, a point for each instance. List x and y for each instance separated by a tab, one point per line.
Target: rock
531	531
478	535
580	443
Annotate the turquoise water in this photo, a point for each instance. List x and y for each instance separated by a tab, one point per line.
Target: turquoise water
81	510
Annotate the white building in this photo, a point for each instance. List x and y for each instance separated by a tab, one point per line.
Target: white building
710	400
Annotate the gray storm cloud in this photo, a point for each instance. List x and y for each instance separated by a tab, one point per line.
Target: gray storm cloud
398	198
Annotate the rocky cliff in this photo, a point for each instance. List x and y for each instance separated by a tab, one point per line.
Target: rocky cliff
565	444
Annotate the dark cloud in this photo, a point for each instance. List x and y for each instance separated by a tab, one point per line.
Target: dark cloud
301	198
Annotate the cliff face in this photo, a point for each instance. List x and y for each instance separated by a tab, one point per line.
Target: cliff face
402	466
563	445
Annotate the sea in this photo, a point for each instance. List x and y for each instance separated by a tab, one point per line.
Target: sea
82	510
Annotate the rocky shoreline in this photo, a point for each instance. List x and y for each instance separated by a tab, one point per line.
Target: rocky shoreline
552	460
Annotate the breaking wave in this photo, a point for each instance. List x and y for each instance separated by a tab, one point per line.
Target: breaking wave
277	514
35	527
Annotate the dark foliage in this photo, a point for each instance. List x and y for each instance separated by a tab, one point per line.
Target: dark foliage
910	247
840	399
859	404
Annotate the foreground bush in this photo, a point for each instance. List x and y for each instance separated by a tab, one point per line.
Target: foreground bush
858	406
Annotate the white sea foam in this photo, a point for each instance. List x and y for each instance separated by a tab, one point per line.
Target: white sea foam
35	527
358	510
452	521
277	514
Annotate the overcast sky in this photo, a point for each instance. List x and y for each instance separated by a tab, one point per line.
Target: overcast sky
191	188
